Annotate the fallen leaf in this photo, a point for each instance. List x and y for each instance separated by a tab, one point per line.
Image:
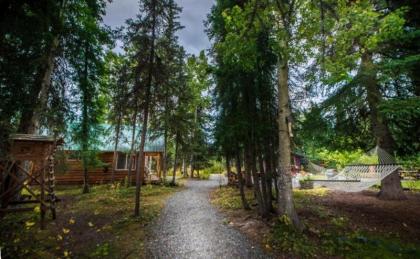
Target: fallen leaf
90	224
71	221
29	224
59	237
66	230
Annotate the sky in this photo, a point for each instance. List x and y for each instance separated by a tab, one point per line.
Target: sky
194	12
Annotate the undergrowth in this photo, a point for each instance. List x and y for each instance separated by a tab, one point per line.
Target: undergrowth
336	240
99	224
330	236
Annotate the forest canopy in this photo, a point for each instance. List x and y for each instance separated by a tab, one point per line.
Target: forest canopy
281	76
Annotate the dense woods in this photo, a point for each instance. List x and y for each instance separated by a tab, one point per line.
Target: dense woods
323	79
308	75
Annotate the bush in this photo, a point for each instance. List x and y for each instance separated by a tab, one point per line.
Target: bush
215	168
410	162
339	159
205	174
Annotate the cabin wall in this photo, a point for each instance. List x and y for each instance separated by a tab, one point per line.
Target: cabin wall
71	171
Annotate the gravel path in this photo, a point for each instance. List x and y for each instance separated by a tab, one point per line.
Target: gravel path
189	227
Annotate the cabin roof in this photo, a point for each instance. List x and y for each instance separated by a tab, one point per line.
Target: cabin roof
106	141
35	138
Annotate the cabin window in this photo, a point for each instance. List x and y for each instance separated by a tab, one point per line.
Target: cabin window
133	163
123	162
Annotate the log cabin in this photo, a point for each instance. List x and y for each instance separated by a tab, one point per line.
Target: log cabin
70	169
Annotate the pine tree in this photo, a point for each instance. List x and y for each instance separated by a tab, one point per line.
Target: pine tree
145	36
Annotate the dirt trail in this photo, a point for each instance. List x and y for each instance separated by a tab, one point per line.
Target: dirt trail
189	227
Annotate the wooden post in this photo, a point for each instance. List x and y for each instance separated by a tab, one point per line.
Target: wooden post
42	196
37	154
158	165
142	168
51	181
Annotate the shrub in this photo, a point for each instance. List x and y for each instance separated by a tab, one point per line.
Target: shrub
339	159
216	167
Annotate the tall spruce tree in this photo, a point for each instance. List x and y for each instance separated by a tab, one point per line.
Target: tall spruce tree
145	36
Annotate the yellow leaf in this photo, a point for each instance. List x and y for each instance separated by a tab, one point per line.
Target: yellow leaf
66	230
59	237
37	209
90	224
71	221
66	253
29	224
16	240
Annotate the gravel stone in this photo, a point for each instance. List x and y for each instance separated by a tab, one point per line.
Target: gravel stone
190	227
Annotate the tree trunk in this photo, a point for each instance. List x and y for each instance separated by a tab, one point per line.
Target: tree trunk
248	180
192	166
193	140
228	171
85	180
30	119
391	188
245	204
184	167
165	154
165	141
264	187
117	138
284	181
175	159
269	173
133	136
140	160
257	183
85	122
85	129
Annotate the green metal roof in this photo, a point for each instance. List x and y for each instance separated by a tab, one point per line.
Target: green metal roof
106	140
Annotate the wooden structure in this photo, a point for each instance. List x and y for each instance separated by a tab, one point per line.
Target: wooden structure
31	163
71	170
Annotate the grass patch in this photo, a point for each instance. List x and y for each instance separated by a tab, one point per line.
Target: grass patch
412	185
228	197
99	224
